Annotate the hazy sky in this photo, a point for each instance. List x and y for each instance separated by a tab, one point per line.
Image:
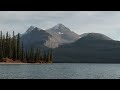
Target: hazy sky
106	22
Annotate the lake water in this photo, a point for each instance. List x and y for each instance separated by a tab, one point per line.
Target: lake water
60	71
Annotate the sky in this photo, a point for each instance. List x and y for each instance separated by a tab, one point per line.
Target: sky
105	22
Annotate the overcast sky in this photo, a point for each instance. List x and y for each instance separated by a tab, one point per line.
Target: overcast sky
106	22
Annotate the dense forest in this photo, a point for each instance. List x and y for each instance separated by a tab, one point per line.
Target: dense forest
11	47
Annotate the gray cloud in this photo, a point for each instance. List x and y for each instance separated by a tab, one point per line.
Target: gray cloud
106	22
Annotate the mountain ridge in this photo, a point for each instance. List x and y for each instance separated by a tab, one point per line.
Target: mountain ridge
84	48
63	34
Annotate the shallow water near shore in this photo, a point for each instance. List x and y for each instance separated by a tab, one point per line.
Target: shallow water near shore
60	71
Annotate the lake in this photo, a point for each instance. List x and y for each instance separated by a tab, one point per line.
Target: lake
60	71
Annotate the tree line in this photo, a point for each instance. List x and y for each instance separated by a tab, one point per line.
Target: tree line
13	48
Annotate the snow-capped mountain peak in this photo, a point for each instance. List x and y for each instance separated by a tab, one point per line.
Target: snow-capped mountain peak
59	27
62	34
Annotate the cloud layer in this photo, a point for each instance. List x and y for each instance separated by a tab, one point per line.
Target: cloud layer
106	22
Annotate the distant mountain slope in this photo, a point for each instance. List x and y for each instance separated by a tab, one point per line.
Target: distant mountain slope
50	38
94	36
91	48
63	34
35	37
70	47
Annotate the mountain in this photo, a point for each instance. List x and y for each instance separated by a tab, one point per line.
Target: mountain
63	34
90	48
82	35
36	37
50	38
94	36
30	29
70	47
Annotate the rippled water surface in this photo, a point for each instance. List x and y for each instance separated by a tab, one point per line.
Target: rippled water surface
60	71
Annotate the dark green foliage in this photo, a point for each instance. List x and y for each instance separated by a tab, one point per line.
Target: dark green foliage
37	55
18	46
6	45
45	57
10	47
26	56
14	47
22	53
51	55
48	57
1	54
3	46
32	55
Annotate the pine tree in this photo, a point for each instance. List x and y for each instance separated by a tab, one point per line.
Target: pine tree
3	46
6	45
24	60
22	52
26	56
18	46
37	56
48	57
51	56
45	57
31	55
1	53
9	48
14	47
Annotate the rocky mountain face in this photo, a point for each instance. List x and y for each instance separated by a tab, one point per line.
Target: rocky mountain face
50	38
35	37
63	34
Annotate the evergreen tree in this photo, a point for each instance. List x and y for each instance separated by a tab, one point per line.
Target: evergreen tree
18	46
0	35
51	56
14	47
3	46
45	57
22	53
31	55
6	45
48	57
9	48
37	56
26	56
1	53
24	60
